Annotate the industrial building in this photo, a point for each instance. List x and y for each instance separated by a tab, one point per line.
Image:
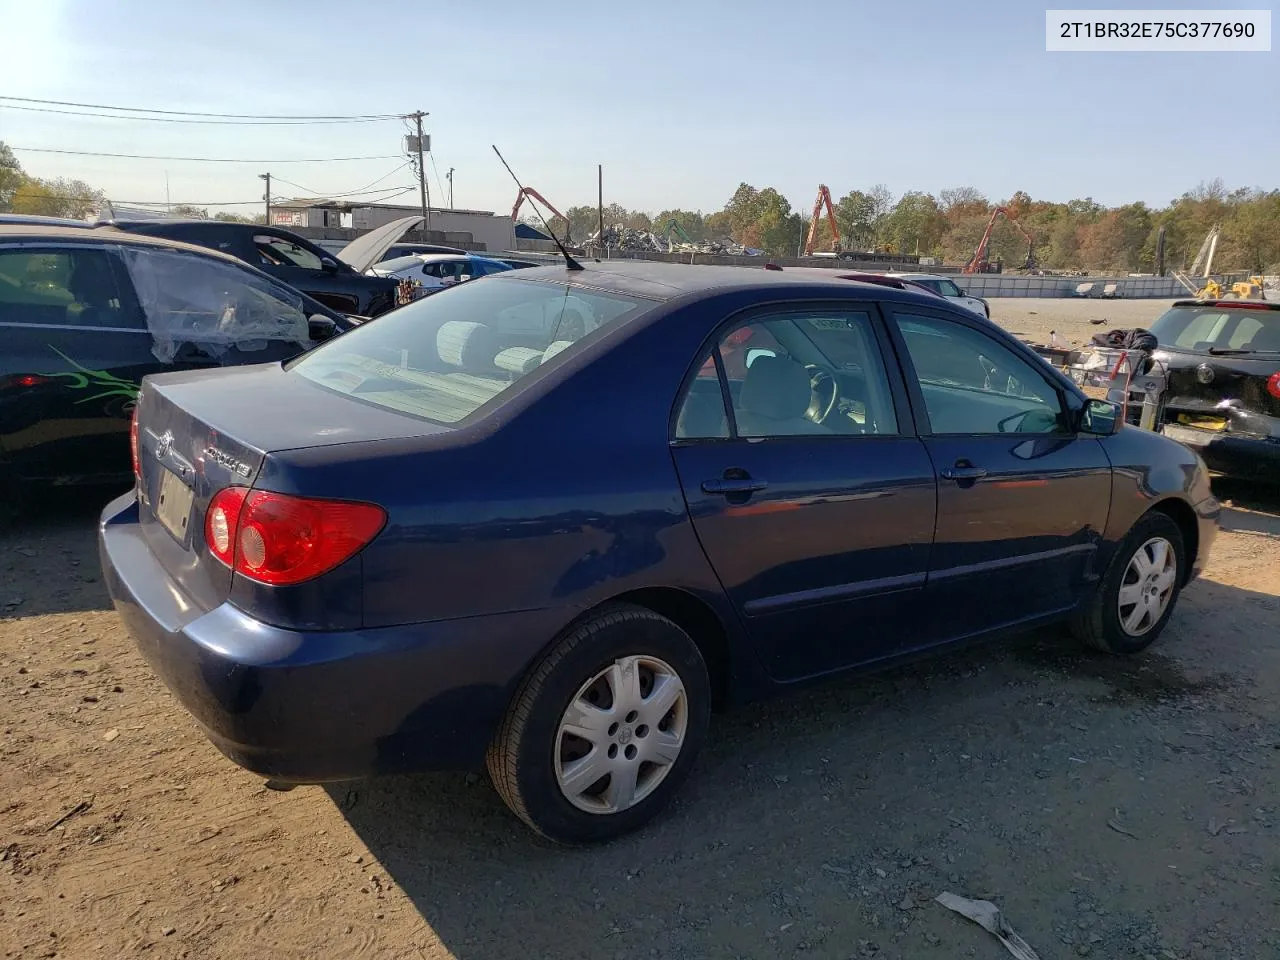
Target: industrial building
489	231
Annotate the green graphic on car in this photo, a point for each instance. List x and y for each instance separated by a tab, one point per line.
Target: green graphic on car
105	384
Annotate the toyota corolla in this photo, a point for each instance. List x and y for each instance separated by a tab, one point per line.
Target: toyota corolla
469	534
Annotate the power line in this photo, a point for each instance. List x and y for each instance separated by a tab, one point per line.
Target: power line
365	189
144	156
240	123
198	113
394	192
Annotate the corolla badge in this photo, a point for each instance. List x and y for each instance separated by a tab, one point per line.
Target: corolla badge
237	467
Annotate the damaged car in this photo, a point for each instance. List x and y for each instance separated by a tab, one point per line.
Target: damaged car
340	281
1223	396
86	314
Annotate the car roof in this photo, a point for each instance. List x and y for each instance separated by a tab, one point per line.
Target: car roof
1241	304
34	220
668	281
104	233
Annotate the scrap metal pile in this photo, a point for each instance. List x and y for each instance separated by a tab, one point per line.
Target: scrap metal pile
626	238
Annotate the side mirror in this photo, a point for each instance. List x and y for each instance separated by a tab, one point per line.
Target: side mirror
329	265
963	291
757	353
321	328
1101	418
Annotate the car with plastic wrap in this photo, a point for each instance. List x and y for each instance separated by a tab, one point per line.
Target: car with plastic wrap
481	532
86	313
1223	397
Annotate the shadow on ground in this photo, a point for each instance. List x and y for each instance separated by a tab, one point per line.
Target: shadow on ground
48	556
822	823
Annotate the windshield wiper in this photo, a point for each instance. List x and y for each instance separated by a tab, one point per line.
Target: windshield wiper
1224	352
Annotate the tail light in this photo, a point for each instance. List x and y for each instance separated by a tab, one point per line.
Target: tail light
278	539
133	444
1273	385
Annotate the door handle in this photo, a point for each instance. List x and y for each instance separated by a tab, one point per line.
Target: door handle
964	471
733	485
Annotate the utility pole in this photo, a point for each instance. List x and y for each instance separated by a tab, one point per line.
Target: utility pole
423	189
267	196
449	176
599	201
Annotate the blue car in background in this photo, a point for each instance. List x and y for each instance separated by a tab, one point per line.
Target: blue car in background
547	522
435	271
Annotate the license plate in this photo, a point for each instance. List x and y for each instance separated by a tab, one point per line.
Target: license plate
1194	438
173	506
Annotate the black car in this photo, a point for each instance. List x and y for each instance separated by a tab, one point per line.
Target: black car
1223	400
337	280
85	314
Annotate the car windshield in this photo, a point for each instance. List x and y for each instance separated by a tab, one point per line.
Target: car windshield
1216	329
938	285
443	357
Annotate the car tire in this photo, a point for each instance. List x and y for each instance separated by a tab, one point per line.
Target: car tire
563	785
1142	570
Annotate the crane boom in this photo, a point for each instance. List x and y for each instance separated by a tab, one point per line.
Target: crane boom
824	198
978	262
532	194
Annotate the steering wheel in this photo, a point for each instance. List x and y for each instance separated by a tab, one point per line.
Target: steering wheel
826	391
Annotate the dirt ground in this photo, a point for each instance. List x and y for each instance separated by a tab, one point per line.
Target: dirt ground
1112	808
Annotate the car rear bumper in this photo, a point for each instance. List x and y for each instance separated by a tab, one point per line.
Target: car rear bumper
1243	458
311	707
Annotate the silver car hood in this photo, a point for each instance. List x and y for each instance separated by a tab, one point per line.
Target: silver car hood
364	251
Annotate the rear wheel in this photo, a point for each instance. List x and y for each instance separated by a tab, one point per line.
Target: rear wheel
602	733
1139	590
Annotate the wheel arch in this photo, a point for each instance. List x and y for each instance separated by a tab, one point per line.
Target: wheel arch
695	617
1181	513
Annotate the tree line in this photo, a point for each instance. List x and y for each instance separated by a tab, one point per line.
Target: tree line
1079	234
1075	235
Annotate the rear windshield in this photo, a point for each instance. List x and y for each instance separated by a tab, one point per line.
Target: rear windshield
442	357
400	263
1219	329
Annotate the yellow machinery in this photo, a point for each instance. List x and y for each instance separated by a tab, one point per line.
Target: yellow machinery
1250	289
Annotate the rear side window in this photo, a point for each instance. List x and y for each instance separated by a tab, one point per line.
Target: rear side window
441	358
1206	329
65	287
276	251
199	302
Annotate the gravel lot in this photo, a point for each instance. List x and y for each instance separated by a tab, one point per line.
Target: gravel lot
1112	808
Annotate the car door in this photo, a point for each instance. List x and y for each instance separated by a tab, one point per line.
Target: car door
819	531
75	350
1022	498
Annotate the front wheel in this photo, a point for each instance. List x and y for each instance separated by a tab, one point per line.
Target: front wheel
604	730
1139	590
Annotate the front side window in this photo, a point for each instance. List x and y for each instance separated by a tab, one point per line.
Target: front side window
63	288
442	357
973	384
198	302
802	374
280	252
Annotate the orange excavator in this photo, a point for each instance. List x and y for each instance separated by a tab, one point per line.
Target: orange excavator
824	199
979	263
532	194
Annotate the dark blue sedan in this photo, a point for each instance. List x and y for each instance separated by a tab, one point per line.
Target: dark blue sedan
548	520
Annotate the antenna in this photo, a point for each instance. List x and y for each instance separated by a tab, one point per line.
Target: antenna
569	262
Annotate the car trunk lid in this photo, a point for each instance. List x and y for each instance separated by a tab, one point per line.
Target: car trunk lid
1222	392
201	431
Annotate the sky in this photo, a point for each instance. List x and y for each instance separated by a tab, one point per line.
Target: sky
680	101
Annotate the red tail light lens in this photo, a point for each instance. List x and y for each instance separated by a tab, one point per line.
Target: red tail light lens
278	539
133	444
1273	385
